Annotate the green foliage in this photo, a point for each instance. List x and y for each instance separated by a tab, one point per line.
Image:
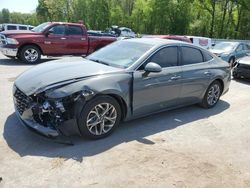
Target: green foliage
212	18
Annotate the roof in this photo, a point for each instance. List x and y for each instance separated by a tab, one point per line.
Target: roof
155	41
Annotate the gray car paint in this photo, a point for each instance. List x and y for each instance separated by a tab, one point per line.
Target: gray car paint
140	93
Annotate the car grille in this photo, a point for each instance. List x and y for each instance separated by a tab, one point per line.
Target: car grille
2	39
21	101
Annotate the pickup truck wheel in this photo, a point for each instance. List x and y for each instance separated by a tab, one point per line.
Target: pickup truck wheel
30	54
99	117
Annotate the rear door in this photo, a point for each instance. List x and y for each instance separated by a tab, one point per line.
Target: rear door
156	91
196	74
240	51
77	41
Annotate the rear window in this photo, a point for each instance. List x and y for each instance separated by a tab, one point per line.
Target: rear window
22	27
207	56
74	30
191	56
11	27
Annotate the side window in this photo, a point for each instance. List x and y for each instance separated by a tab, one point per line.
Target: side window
207	56
239	48
11	27
166	57
74	30
22	28
58	30
191	56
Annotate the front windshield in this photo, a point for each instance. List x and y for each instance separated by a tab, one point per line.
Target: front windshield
225	46
120	54
40	28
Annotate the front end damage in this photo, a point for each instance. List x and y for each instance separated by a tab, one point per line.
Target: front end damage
49	117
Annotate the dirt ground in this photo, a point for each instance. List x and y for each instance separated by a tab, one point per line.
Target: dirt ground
188	147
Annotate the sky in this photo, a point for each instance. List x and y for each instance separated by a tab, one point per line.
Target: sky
24	6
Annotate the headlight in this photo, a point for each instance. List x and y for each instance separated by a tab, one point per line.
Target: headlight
12	41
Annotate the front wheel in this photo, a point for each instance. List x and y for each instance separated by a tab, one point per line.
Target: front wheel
99	117
212	95
30	54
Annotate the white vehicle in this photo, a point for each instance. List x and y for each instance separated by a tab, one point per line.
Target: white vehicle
126	32
9	26
203	42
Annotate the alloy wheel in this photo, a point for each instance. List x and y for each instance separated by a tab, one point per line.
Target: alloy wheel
31	55
101	119
213	94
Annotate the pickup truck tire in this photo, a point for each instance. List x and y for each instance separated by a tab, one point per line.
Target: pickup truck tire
30	54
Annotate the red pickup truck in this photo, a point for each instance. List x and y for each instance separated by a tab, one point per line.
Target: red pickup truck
51	39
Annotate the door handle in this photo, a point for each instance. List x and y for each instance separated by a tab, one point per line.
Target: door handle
208	73
63	38
175	77
83	38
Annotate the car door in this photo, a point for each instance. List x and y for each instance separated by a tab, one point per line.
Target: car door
55	40
196	74
77	41
156	91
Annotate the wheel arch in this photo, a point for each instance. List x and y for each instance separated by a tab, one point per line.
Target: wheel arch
122	104
29	44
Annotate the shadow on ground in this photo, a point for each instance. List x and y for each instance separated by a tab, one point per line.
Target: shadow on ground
26	143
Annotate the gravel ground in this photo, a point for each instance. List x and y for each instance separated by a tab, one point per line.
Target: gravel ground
188	147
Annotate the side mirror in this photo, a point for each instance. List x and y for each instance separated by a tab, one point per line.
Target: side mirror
48	33
153	67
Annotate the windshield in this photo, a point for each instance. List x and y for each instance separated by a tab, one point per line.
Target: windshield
40	28
120	54
225	46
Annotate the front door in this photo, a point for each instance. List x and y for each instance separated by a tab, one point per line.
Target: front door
157	91
56	41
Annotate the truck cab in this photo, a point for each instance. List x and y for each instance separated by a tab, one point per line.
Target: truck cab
51	39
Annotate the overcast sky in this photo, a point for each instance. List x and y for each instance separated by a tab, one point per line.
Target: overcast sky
24	6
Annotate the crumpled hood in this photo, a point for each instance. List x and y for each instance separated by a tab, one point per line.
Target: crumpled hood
59	72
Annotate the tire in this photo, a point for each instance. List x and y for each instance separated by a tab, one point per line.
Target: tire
231	62
91	118
207	101
30	54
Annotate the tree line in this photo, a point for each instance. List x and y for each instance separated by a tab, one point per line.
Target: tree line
211	18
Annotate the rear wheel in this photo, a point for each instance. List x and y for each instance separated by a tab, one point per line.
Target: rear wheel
212	95
30	54
99	117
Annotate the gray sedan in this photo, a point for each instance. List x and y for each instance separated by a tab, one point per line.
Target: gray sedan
125	80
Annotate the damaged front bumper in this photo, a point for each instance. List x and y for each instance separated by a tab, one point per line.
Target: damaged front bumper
38	118
32	125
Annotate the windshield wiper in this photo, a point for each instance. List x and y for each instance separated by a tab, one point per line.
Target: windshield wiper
99	61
